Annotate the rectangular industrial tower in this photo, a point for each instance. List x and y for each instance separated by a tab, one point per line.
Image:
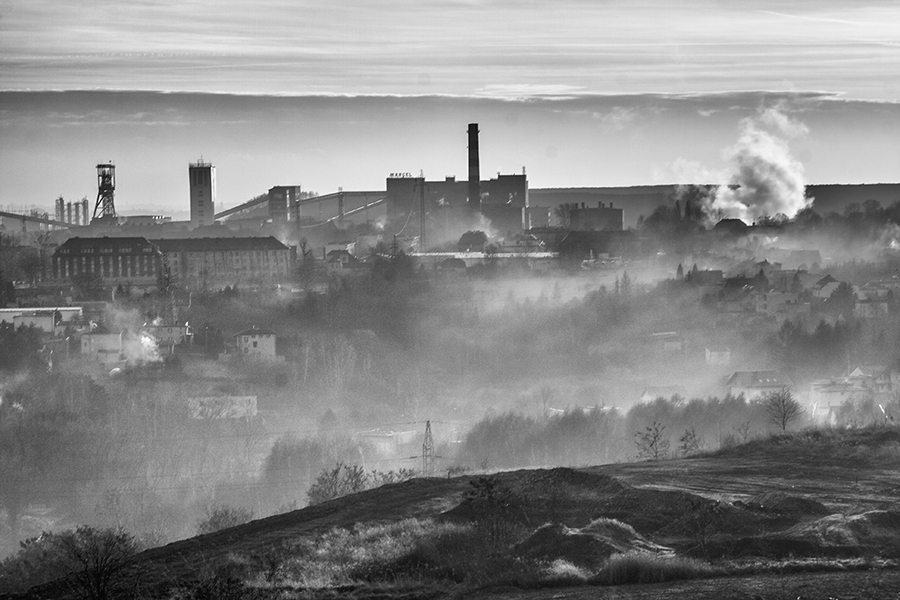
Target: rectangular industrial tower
203	193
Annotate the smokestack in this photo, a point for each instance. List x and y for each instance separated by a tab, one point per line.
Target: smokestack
474	169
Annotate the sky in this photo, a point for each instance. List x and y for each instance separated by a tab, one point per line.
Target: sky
580	92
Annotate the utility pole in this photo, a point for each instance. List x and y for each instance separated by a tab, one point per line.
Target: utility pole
422	215
428	451
297	196
341	208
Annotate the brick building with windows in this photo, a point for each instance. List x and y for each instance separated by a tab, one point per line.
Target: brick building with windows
199	262
114	259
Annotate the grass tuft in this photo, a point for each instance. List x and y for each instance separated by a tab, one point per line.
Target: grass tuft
641	567
562	572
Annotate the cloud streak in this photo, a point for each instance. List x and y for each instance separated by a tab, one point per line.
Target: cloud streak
448	47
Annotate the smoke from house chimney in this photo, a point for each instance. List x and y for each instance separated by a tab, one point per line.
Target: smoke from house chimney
474	169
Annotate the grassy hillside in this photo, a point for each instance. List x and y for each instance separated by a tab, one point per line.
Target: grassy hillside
817	511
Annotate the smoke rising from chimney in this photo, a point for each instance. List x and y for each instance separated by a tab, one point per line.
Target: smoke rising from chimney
766	179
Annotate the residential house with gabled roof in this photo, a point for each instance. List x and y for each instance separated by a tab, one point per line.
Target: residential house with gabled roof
756	384
825	287
877	378
256	343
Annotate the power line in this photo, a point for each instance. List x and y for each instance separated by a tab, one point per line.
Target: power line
255	434
194	486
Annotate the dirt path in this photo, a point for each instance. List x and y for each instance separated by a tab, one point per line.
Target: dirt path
865	585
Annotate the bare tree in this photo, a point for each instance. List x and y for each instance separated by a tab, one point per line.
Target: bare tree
652	443
102	555
564	213
781	408
690	442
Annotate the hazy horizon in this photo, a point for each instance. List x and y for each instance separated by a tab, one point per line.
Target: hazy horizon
328	96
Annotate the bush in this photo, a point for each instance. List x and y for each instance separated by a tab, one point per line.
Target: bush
496	511
222	517
349	479
640	567
99	557
39	560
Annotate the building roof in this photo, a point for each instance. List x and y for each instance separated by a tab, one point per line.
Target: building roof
255	331
759	379
77	245
219	244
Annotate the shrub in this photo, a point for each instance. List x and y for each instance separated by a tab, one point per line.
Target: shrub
640	567
222	517
101	557
652	442
346	479
38	560
495	509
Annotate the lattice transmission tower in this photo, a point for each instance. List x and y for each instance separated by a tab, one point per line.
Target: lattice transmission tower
428	451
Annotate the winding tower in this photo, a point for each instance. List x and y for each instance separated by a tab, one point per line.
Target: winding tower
105	208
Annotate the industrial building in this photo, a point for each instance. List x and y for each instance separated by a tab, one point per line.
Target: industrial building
442	205
115	260
202	177
198	262
601	218
193	262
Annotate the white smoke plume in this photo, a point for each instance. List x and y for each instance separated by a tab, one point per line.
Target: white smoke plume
767	180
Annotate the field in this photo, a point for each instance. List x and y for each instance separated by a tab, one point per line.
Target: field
813	514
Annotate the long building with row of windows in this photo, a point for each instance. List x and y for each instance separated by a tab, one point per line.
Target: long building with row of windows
193	262
115	260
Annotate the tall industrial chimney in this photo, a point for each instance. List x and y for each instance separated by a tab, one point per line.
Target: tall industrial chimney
474	170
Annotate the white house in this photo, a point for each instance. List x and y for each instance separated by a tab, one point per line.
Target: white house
718	356
106	348
256	343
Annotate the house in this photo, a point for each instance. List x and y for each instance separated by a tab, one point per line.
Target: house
256	343
870	309
826	396
824	287
169	336
717	356
45	320
772	302
104	347
878	379
52	319
339	260
756	384
667	341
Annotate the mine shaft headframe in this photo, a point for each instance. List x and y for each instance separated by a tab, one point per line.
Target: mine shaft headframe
106	188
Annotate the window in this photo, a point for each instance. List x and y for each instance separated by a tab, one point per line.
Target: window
255	344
